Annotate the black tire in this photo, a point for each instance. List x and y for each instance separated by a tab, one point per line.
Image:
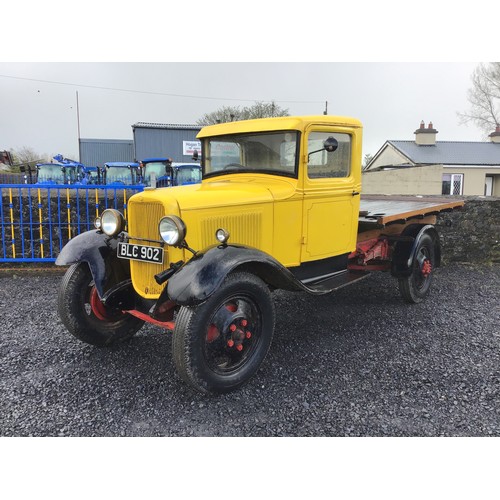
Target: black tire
94	324
207	338
416	286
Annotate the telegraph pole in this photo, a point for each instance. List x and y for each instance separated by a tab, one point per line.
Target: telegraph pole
78	123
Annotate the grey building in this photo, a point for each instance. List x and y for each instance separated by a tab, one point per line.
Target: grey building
96	152
154	140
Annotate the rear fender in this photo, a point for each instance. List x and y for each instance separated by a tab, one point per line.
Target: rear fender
198	279
99	251
405	251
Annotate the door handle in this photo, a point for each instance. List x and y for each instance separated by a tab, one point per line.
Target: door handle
355	193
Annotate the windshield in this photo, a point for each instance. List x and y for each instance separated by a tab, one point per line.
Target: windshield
266	152
155	167
54	174
118	174
188	175
50	173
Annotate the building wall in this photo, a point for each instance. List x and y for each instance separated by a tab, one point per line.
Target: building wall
161	142
96	152
412	180
389	156
475	179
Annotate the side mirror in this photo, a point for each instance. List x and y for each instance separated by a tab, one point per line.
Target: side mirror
331	144
195	155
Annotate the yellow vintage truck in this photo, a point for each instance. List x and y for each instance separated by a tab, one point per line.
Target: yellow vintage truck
279	207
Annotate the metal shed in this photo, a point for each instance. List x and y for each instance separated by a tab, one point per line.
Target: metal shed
164	140
96	152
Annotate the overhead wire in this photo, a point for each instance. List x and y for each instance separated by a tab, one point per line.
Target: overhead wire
155	93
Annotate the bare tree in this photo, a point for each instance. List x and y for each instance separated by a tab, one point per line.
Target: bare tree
236	113
367	159
484	98
25	155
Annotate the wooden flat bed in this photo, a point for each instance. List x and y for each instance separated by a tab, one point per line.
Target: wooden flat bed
378	211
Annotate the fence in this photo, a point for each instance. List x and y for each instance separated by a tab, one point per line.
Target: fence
37	221
16	178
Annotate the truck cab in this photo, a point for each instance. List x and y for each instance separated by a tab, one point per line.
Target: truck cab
63	171
89	175
156	171
119	172
276	178
278	208
186	173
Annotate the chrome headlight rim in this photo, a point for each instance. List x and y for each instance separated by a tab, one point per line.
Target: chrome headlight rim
112	222
172	230
222	235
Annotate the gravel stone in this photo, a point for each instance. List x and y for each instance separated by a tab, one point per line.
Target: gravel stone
358	362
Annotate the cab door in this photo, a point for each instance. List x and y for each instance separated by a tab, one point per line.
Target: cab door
332	183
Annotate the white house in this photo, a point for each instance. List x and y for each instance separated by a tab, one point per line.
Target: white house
427	166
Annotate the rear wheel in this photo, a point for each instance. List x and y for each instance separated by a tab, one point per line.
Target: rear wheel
415	287
85	316
220	344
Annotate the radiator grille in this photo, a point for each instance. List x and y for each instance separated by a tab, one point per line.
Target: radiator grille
143	221
244	229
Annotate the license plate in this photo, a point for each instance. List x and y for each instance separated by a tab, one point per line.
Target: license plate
143	253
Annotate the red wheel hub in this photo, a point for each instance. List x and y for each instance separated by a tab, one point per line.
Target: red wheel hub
238	334
213	333
98	308
426	268
232	327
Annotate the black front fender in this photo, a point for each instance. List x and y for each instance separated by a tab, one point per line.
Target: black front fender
197	280
404	252
95	248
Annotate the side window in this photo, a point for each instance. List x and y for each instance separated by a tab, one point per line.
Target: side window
322	164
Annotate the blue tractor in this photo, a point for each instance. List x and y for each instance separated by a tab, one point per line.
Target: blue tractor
63	171
120	172
167	173
186	173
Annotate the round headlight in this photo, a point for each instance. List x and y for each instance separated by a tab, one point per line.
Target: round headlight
97	223
172	230
112	222
222	235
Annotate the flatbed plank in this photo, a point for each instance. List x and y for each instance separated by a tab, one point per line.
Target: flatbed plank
382	210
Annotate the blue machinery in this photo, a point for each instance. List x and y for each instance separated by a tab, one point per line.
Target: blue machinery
38	220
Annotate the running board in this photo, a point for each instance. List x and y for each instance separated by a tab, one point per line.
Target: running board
326	284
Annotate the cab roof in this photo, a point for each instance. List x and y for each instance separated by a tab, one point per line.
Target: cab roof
149	160
299	123
121	164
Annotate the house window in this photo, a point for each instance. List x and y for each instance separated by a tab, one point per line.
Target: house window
453	183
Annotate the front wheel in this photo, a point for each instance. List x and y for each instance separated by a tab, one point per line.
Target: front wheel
85	316
220	344
415	287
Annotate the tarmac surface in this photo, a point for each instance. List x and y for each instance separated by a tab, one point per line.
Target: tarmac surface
358	362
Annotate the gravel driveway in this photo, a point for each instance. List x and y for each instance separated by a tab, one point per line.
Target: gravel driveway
358	362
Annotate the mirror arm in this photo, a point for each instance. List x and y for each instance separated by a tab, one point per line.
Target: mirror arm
312	152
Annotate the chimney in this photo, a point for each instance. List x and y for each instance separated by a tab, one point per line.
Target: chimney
425	136
495	136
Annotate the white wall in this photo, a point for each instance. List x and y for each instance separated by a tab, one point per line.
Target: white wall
412	180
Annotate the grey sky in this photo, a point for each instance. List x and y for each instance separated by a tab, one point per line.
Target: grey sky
389	98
